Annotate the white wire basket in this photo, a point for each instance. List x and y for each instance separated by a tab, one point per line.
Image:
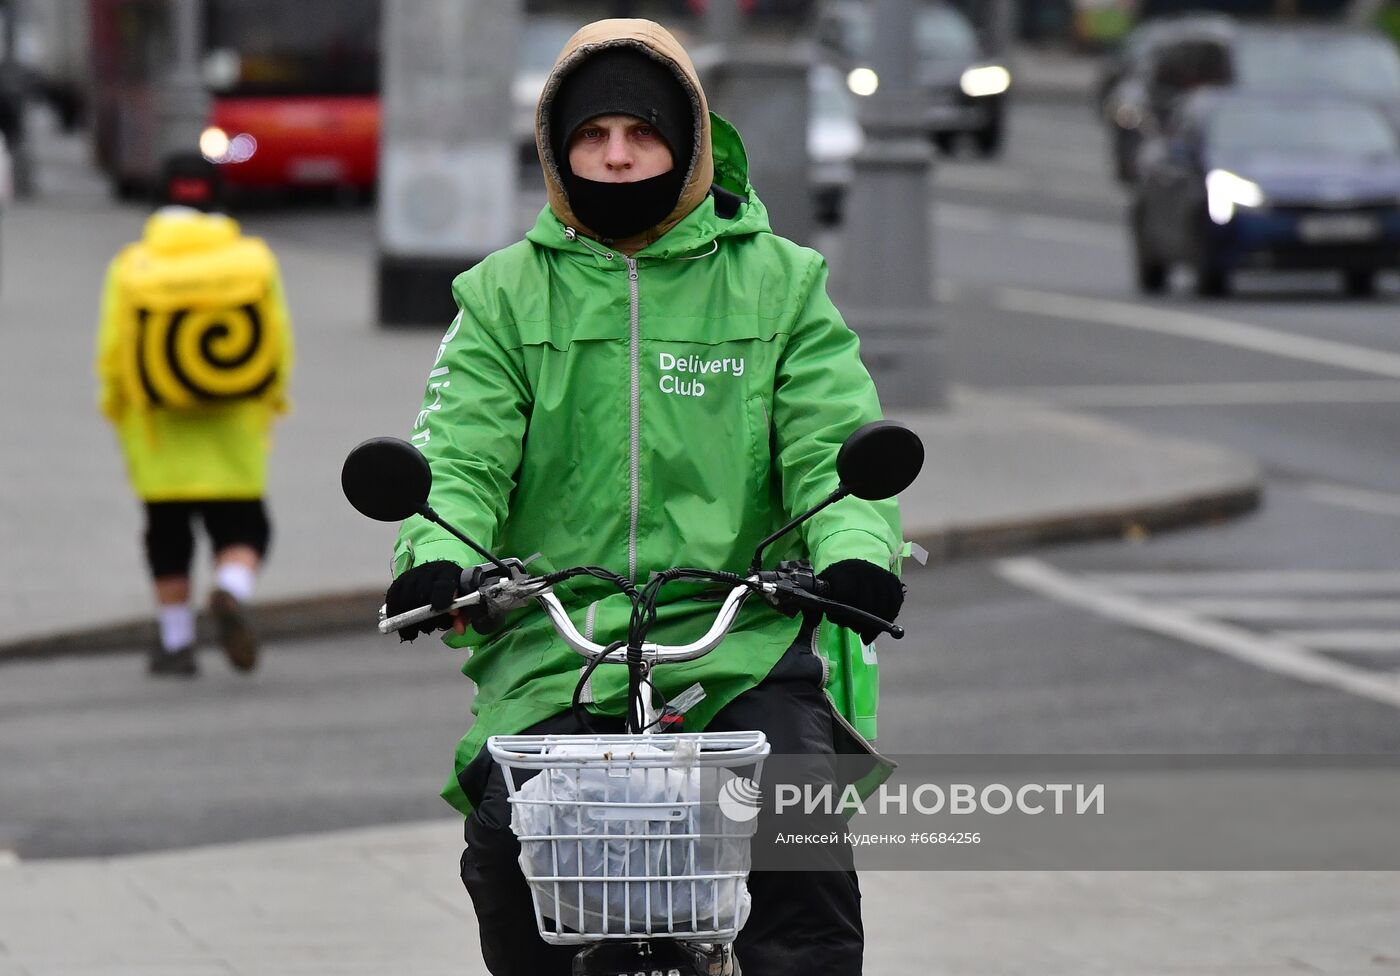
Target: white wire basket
623	836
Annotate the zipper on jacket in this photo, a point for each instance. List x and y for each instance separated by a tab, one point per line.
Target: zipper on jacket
864	743
636	420
589	622
836	715
815	648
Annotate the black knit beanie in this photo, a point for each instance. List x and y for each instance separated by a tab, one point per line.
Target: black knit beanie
623	81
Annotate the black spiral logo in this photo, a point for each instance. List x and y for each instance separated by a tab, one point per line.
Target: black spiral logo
187	357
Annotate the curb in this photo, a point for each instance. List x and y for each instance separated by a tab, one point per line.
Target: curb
355	610
1012	536
273	620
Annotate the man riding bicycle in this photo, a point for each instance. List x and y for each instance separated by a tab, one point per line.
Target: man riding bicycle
652	378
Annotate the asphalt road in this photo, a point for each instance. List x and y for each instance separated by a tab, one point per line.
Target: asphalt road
1291	645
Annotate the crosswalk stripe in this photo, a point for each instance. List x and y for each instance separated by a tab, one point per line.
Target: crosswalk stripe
1361	499
1376	641
1265	609
1268	652
1192	325
1257	581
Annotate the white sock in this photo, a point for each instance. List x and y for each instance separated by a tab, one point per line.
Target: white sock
237	579
176	626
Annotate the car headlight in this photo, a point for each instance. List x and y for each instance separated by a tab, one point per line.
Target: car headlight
863	81
984	80
1225	191
214	144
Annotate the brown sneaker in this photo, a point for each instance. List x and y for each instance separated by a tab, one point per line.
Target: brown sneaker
235	632
178	663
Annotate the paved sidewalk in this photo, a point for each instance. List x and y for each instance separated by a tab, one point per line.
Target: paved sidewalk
388	900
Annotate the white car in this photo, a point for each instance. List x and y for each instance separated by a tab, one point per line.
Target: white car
541	40
7	174
834	136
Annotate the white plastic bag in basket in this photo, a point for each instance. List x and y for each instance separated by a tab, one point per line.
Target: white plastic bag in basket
631	840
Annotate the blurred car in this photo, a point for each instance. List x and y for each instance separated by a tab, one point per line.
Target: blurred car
964	87
542	38
7	174
1269	181
1176	56
834	136
1211	51
6	177
1133	53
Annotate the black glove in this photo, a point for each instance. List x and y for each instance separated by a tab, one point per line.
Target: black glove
864	586
433	583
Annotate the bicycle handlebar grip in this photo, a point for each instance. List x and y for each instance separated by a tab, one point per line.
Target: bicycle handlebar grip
391	624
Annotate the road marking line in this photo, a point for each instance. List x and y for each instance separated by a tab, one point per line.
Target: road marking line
1324	609
1091	189
1376	641
966	218
1361	499
980	178
1212	394
1251	581
1061	230
1190	325
1269	653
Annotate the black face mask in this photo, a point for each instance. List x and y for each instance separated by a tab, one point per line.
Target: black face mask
617	211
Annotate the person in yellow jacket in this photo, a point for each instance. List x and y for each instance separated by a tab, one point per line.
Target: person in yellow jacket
194	353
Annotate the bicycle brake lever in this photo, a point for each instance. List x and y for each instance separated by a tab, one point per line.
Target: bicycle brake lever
802	597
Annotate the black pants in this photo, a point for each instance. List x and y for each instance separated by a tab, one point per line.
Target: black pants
800	922
169	535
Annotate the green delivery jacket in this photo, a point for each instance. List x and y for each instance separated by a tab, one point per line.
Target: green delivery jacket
640	413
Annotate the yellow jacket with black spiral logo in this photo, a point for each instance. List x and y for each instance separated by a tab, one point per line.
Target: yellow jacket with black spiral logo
194	352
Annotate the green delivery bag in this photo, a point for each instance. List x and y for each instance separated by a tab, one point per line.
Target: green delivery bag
853	668
853	677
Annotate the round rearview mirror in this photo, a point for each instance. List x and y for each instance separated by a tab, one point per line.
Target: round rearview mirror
880	460
386	479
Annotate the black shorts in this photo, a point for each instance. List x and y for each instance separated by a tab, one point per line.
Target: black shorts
170	533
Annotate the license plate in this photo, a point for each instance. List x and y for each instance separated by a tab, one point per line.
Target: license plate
1334	228
316	169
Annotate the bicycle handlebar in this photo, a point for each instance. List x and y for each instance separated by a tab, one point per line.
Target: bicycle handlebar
778	586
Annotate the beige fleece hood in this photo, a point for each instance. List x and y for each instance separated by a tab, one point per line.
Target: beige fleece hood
657	42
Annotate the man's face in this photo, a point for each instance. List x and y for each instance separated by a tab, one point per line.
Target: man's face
618	149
